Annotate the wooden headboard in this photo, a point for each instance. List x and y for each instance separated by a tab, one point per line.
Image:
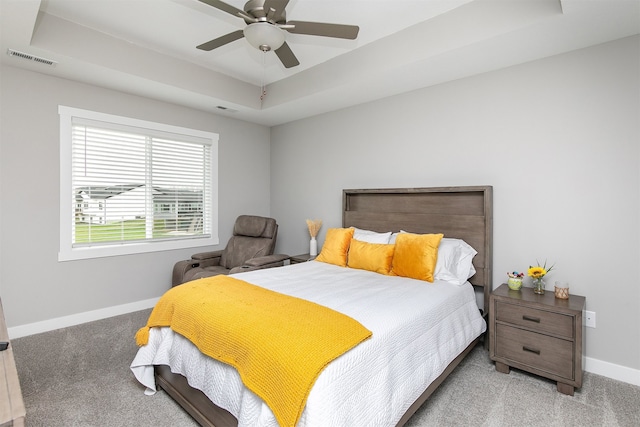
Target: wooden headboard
459	212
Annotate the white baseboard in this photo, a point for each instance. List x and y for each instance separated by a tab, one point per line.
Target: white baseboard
613	371
595	366
76	319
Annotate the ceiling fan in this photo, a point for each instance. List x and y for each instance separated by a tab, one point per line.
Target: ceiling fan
266	20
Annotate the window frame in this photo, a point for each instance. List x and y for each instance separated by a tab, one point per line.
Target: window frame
67	252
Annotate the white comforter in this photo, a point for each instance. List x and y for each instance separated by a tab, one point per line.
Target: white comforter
418	329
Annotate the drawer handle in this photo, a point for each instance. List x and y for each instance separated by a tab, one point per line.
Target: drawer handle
531	319
531	350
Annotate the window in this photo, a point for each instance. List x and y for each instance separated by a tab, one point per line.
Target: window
132	186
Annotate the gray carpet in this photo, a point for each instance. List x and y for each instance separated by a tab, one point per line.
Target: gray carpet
79	376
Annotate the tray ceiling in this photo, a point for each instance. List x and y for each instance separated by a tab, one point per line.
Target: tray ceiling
147	47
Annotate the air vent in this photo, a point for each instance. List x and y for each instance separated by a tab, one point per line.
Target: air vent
29	57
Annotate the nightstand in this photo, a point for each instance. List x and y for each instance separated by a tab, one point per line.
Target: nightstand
539	334
300	258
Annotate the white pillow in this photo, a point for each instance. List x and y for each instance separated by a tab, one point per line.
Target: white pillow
455	261
369	236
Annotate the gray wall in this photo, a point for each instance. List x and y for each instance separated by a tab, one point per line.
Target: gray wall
558	139
36	287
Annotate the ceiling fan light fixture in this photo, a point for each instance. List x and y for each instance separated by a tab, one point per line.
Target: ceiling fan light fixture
264	36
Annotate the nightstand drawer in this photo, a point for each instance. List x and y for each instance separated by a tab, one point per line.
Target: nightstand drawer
537	320
542	352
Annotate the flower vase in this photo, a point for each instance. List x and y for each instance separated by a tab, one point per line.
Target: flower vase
313	246
538	286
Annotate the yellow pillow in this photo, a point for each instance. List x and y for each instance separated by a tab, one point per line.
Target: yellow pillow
370	256
415	255
336	246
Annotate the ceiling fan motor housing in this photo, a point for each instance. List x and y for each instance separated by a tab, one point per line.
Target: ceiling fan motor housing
256	9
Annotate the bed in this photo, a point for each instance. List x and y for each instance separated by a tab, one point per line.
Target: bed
424	352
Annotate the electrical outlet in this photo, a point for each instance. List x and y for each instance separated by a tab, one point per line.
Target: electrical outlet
590	319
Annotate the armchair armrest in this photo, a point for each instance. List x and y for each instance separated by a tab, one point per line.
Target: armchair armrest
264	260
207	255
202	259
269	261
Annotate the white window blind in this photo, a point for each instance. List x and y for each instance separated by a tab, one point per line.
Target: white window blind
136	183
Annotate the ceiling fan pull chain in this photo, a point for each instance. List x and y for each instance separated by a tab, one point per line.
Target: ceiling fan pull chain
263	88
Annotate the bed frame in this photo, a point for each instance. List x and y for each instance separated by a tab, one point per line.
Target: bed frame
462	212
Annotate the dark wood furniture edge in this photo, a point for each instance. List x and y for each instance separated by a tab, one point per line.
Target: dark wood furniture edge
12	409
564	388
436	383
192	400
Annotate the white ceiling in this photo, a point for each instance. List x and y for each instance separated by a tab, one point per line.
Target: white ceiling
147	47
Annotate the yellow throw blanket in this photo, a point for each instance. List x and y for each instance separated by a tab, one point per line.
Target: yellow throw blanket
279	344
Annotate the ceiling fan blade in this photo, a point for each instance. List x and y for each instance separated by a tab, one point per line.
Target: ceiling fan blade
223	7
286	56
278	6
322	29
221	41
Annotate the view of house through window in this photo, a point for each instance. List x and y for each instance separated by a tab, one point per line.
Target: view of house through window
133	184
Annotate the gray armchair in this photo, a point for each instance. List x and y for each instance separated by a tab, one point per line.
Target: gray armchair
250	248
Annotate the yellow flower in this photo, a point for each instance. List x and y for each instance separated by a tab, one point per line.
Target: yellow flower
536	272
